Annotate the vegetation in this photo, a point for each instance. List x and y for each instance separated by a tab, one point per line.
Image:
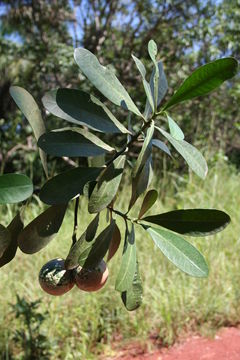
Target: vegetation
174	302
100	184
37	55
28	338
36	39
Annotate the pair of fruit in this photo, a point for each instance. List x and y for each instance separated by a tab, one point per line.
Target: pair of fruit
56	280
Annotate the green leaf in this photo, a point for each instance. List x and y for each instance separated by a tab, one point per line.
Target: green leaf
36	235
162	88
145	152
192	156
109	114
79	108
104	80
194	222
5	239
180	252
14	228
92	229
130	128
140	66
64	187
175	130
146	85
128	265
107	185
132	297
84	242
91	257
142	181
31	111
204	80
14	188
148	201
88	188
152	49
142	171
161	145
72	142
96	161
114	244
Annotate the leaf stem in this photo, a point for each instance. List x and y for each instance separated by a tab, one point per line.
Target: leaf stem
75	226
123	215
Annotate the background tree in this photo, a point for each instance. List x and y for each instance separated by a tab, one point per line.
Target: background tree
37	40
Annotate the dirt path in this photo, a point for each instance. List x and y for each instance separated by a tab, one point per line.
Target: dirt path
225	346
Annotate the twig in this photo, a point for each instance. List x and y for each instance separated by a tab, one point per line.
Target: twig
75	226
134	137
124	216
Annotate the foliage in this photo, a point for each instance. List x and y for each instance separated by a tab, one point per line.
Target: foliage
36	40
33	344
101	185
173	303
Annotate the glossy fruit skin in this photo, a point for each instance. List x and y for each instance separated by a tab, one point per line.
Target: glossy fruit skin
91	279
54	279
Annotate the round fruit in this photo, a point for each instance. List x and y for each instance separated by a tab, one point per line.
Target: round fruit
54	279
91	279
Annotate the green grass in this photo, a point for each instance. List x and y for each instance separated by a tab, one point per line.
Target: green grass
83	325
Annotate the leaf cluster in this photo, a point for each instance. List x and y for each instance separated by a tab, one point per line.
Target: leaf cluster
100	185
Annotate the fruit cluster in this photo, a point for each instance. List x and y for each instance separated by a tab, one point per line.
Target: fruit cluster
56	280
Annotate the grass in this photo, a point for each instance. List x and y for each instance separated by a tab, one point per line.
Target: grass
82	325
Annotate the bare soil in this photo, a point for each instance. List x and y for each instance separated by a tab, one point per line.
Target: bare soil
225	346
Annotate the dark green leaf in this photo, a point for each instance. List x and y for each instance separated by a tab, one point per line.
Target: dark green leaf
193	157
15	227
194	222
84	242
72	142
148	201
132	297
161	145
107	185
109	114
77	107
180	252
142	171
98	249
162	88
175	130
64	187
104	80
128	265
92	229
5	239
88	188
114	244
42	229
130	128
31	111
145	152
142	181
14	188
204	79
